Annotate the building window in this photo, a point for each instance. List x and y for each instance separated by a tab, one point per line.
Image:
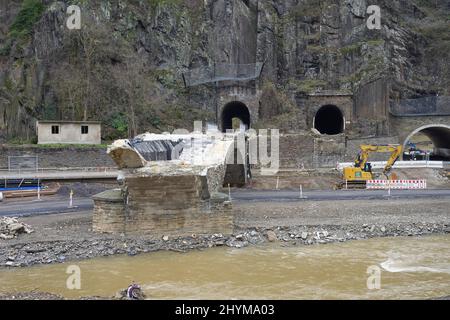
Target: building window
84	129
55	129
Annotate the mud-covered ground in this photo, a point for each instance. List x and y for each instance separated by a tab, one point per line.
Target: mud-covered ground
66	237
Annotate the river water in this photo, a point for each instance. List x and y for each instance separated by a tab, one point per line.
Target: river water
410	268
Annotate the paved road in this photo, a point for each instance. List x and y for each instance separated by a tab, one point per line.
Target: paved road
61	175
27	207
57	205
291	195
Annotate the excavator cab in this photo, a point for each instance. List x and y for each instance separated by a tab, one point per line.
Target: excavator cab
358	174
359	163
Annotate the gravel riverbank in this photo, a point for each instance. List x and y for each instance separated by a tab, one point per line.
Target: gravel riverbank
68	237
45	252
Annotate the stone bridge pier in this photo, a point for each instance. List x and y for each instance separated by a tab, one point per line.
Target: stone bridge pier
171	185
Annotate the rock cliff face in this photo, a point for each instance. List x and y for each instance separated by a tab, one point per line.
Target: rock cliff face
125	65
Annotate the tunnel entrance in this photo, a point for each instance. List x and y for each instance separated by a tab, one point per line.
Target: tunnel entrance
235	115
329	120
430	142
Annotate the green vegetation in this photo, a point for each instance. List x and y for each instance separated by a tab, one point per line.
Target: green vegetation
164	76
356	47
314	37
429	3
353	48
155	3
33	142
20	141
319	49
277	109
120	123
309	8
433	30
79	2
370	70
438	34
6	48
30	13
375	42
22	27
306	86
316	49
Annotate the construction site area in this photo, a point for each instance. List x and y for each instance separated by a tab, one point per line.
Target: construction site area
208	188
159	197
169	187
227	184
307	130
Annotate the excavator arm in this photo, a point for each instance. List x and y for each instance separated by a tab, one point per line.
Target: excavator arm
392	159
363	156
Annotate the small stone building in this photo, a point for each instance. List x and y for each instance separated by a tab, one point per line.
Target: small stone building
71	132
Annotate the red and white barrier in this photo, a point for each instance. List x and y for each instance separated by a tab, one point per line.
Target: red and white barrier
396	184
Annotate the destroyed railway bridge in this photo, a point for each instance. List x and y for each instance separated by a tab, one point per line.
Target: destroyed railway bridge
169	184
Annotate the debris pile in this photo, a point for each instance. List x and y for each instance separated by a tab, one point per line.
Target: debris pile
10	228
133	292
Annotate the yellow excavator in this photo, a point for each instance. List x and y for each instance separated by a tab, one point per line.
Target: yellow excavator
358	174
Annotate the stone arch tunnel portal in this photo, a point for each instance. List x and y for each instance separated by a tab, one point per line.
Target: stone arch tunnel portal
329	120
233	112
438	134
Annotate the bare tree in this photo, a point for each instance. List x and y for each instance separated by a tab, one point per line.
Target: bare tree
132	78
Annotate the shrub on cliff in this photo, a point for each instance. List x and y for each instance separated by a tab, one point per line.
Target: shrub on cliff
30	12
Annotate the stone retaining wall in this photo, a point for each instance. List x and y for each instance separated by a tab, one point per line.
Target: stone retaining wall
313	151
59	157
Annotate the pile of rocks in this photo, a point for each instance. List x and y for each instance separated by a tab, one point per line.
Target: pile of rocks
10	228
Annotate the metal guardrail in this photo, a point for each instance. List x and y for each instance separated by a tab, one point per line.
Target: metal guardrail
401	164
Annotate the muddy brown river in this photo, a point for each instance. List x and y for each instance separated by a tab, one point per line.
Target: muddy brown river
411	268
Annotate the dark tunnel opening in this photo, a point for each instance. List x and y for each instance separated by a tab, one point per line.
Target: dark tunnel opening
232	111
329	120
437	147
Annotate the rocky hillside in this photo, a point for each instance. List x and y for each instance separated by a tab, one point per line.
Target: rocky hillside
124	67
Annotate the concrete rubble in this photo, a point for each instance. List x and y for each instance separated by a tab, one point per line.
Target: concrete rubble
10	228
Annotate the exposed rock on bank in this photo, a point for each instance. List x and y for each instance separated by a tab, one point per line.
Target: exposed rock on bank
22	255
